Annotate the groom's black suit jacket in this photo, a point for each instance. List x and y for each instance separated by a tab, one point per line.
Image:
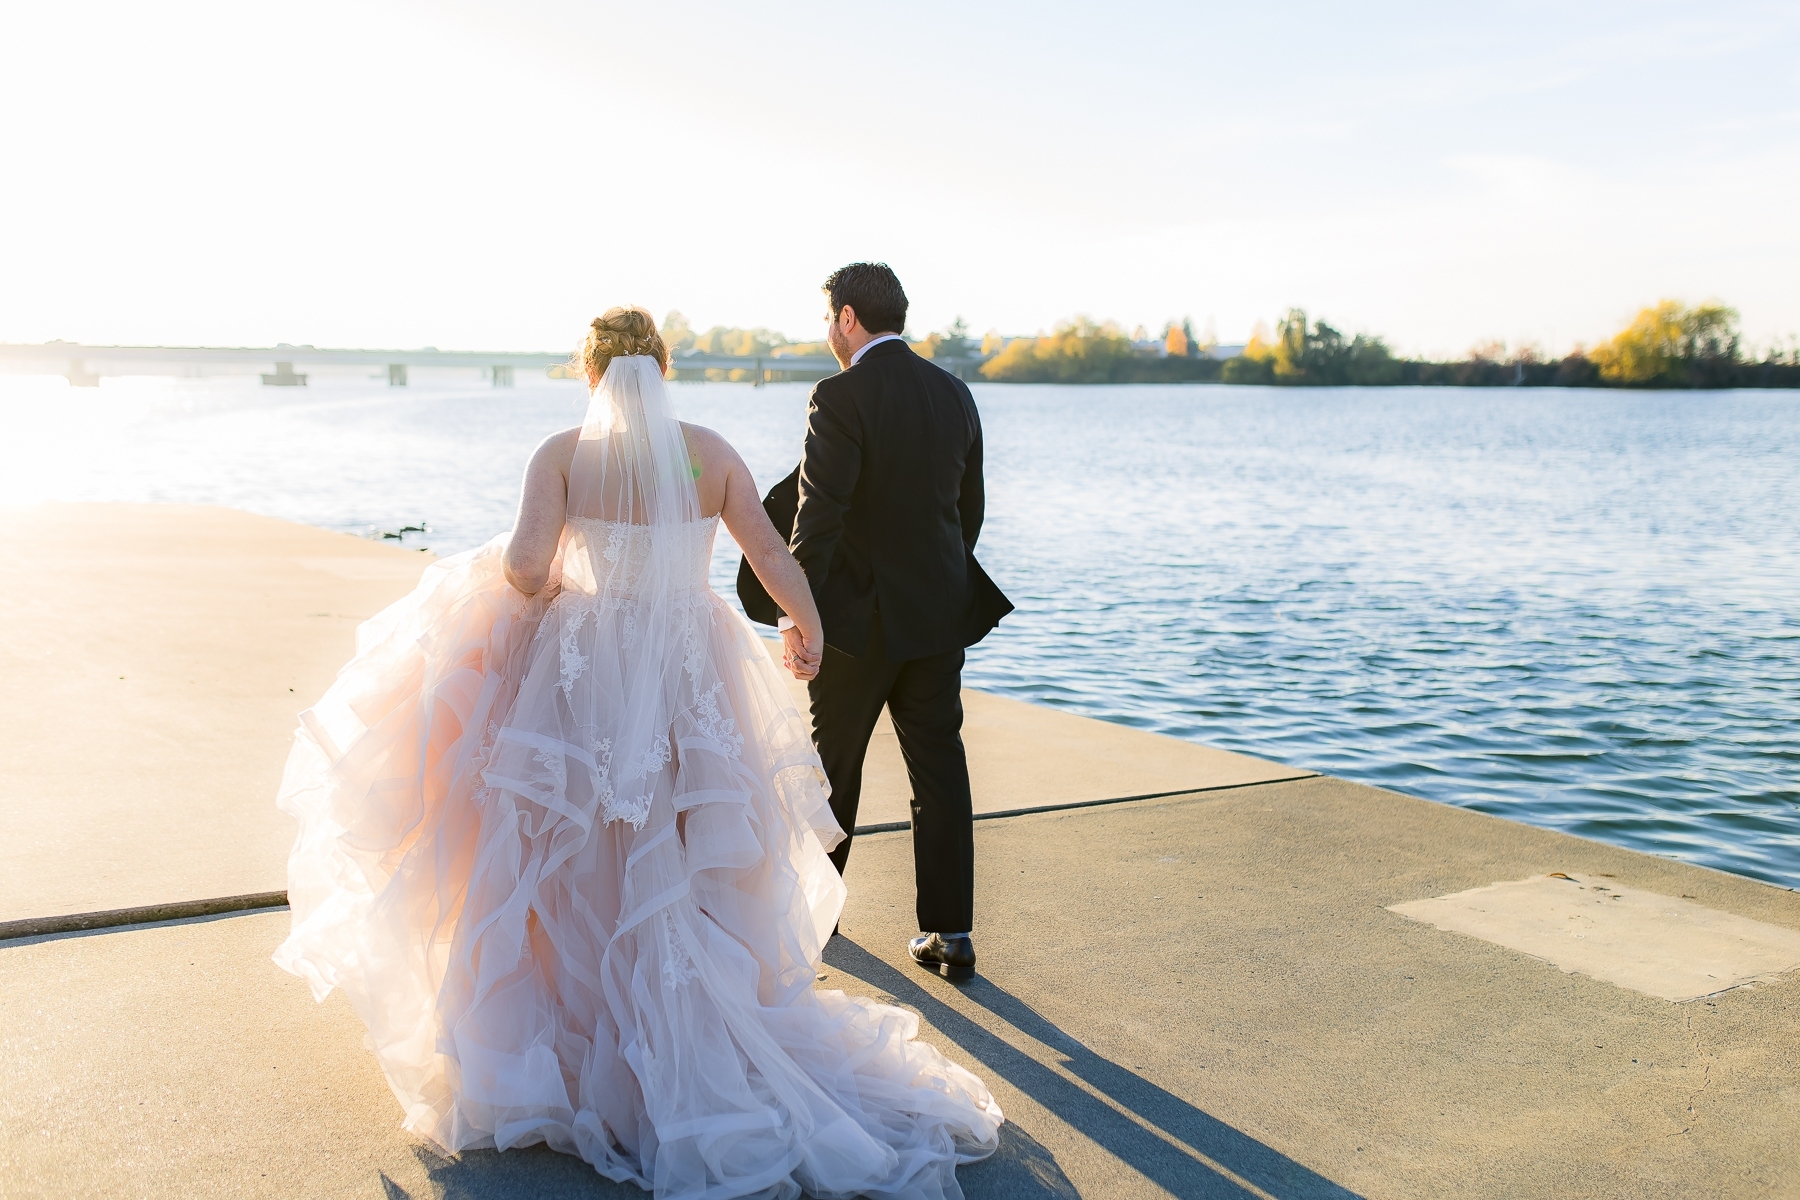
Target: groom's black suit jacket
884	509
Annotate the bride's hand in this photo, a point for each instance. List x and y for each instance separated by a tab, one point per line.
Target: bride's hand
801	653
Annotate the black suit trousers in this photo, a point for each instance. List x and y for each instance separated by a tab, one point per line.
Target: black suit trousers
923	696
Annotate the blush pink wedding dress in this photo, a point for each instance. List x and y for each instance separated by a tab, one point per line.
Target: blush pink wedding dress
566	856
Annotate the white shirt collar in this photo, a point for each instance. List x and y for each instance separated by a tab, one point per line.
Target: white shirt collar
871	344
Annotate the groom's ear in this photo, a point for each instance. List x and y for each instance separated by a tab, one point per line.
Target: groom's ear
846	310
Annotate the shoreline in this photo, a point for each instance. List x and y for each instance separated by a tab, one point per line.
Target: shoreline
890	810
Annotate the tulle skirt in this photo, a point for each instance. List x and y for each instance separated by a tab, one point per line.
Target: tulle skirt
615	958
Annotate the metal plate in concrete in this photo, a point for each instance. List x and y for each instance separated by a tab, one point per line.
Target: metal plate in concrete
1664	946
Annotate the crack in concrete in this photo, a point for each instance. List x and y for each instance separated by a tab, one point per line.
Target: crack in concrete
1705	1078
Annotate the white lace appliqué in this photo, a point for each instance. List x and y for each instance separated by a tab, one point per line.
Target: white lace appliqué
574	662
554	764
634	812
716	726
694	657
678	967
615	542
656	757
601	749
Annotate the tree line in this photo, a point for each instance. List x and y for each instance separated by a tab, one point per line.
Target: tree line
1667	345
681	338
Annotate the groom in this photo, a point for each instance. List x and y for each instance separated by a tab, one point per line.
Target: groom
889	504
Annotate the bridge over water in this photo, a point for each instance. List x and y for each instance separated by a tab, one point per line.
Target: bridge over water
284	365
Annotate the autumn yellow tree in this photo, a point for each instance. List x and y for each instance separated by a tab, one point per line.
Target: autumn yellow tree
740	343
1175	341
1256	364
1645	350
1670	344
1079	351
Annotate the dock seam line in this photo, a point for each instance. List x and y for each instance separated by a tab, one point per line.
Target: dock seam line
897	826
114	918
118	918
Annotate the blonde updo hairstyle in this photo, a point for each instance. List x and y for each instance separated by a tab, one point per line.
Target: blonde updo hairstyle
618	332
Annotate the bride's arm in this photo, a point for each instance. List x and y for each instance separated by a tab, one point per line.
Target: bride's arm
543	503
768	555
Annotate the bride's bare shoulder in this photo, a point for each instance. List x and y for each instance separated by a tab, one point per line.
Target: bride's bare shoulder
710	447
557	450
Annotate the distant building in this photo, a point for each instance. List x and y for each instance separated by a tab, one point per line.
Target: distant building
1231	351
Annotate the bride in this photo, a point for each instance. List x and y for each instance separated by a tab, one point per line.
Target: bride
563	843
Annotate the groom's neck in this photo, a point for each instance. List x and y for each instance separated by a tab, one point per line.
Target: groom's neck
854	341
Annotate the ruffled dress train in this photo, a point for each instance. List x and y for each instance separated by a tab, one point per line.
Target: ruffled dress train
615	958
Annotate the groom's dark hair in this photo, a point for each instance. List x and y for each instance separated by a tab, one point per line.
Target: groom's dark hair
873	292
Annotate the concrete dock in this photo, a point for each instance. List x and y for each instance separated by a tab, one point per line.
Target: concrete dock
1266	984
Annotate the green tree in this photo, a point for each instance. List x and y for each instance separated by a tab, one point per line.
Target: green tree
675	333
1371	363
1315	354
952	343
1245	369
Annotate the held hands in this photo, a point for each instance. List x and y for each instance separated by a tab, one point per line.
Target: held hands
801	654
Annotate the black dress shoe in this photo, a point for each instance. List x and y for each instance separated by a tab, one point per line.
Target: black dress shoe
953	958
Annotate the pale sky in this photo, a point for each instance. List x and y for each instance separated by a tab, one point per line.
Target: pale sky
492	176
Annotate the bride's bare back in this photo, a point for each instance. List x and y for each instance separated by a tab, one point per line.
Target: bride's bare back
726	489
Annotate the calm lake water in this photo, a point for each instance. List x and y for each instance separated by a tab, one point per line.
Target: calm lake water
1575	609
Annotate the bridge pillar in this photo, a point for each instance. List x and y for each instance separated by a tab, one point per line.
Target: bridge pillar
396	374
503	376
79	376
284	377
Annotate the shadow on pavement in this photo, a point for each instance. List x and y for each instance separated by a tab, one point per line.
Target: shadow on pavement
1021	1168
1172	1154
530	1173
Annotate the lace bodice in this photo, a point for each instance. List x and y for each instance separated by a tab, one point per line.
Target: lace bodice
615	553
